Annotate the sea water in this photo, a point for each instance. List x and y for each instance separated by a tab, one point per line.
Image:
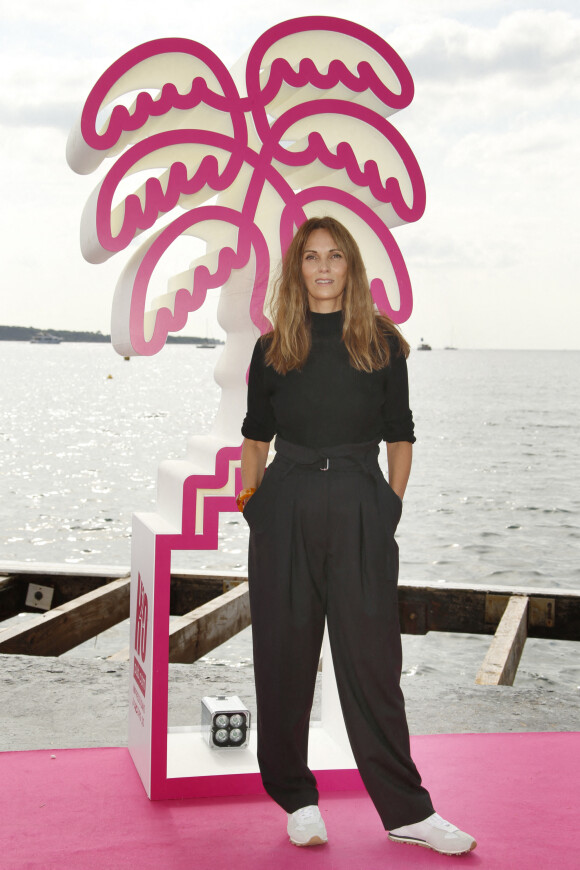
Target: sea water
493	495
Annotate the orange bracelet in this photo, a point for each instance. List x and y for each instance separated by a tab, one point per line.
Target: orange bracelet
244	496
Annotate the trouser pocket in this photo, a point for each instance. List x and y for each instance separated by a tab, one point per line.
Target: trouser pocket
389	501
259	507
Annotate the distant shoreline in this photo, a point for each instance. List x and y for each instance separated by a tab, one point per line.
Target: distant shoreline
27	333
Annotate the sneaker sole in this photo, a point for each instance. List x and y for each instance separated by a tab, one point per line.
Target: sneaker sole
411	842
313	841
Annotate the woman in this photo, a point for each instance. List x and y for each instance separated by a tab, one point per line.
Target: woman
330	382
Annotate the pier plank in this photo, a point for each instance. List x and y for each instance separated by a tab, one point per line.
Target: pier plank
204	628
554	613
64	569
12	597
503	656
199	599
67	581
64	627
190	591
196	633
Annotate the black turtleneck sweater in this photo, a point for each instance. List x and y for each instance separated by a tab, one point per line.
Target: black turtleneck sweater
328	402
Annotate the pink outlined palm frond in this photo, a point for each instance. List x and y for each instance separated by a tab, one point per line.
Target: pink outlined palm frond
324	126
197	79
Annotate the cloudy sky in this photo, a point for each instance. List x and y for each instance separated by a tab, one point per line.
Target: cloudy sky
495	126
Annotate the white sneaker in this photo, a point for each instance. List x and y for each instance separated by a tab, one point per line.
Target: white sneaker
306	827
435	833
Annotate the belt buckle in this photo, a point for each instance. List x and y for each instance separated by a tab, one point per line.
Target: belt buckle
327	465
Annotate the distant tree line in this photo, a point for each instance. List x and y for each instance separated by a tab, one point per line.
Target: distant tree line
26	333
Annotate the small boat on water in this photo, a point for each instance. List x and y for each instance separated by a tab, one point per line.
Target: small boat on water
424	346
45	338
205	345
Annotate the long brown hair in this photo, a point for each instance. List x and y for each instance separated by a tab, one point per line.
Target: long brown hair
365	332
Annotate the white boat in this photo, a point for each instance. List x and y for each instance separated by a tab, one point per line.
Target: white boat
45	338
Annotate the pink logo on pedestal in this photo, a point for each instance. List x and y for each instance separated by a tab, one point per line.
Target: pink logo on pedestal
141	621
308	136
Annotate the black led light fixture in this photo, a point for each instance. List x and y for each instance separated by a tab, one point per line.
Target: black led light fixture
225	722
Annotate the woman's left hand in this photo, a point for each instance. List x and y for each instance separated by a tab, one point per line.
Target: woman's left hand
399	459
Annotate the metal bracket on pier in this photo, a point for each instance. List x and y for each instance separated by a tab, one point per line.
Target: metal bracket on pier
541	611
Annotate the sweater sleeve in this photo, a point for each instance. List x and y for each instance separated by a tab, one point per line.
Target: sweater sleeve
259	423
397	416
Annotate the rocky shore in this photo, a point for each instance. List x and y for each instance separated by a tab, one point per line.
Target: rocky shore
69	702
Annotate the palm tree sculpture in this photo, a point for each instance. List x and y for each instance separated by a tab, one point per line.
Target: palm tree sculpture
241	172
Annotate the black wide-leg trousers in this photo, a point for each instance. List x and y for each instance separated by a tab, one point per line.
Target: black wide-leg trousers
322	547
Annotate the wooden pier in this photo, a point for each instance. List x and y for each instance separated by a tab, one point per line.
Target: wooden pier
75	603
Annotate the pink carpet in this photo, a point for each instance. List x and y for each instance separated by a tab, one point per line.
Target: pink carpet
518	794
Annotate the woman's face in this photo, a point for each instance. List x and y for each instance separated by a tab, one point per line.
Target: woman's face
324	270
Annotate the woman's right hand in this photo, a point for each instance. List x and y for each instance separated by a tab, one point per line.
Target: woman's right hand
243	497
